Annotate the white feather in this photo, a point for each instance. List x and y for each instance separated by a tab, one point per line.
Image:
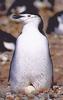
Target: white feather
59	29
9	46
21	9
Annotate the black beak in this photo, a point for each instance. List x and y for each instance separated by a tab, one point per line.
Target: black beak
16	16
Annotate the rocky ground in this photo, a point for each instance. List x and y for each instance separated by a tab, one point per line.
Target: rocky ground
56	50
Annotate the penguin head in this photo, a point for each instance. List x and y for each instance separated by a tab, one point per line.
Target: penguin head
25	18
59	16
29	18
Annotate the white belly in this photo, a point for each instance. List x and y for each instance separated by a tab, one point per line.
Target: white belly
32	61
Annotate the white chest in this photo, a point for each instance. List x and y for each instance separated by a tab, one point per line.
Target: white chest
32	44
32	53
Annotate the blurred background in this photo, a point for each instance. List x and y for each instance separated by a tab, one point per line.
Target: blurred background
47	10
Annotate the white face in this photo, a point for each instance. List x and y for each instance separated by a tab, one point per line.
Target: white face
23	17
60	19
59	29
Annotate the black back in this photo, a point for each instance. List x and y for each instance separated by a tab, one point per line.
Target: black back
6	37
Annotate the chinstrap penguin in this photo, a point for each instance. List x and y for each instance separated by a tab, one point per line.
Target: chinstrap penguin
31	64
55	24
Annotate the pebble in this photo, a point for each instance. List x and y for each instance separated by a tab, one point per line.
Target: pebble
29	89
3	58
